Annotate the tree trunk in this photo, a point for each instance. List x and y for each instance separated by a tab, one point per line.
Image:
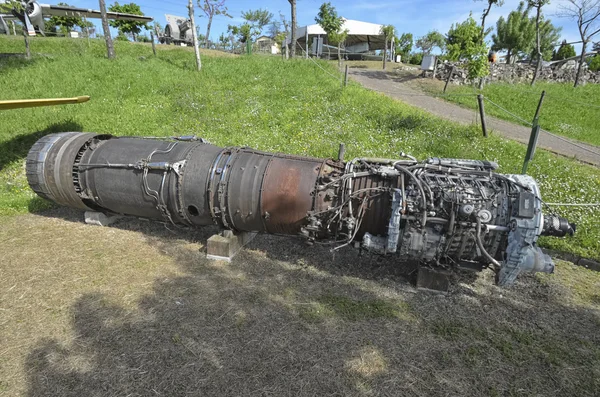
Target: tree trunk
483	17
508	54
581	61
109	43
538	66
385	54
210	17
340	56
194	35
293	45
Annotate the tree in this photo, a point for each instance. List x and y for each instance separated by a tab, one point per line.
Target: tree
279	31
388	32
294	22
516	34
464	44
405	45
223	40
538	4
331	23
549	38
65	24
565	51
586	13
257	19
212	8
431	40
128	26
595	63
486	12
596	46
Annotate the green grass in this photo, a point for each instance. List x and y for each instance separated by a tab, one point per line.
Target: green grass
262	102
567	111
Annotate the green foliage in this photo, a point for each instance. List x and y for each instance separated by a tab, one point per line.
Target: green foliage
404	46
143	39
121	37
516	34
328	19
128	26
462	38
464	44
565	51
65	24
430	41
595	63
549	37
257	19
416	58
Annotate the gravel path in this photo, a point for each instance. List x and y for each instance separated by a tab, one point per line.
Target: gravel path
380	81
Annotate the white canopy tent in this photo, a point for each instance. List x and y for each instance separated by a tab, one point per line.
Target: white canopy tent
362	36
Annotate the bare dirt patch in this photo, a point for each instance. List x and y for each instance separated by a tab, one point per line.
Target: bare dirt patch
136	309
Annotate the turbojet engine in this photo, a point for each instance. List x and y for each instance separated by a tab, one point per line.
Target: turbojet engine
439	212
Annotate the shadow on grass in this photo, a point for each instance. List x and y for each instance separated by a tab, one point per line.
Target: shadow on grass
18	147
270	324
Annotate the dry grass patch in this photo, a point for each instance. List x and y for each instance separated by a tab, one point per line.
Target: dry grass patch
136	309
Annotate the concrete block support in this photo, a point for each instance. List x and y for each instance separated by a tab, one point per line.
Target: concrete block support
224	246
99	218
433	279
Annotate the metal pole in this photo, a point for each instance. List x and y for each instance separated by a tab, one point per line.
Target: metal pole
533	138
306	44
482	114
539	107
153	45
535	132
28	52
448	79
346	76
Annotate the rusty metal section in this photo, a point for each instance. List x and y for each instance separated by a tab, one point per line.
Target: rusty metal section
288	193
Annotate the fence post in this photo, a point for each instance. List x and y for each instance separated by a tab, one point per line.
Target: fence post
435	62
448	79
153	46
482	114
28	52
346	76
535	132
341	152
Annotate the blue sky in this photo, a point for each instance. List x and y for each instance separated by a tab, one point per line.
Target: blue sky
415	16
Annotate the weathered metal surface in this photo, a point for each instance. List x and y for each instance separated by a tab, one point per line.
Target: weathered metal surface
441	213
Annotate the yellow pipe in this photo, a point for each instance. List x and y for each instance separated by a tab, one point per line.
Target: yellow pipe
30	103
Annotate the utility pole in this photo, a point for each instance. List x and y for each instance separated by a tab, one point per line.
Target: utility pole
109	43
194	35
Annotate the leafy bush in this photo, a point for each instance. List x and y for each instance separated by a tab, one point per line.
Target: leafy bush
416	58
595	63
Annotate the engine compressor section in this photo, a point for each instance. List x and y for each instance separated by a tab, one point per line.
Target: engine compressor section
440	212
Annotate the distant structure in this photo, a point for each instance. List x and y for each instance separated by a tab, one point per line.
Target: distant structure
363	38
178	31
267	45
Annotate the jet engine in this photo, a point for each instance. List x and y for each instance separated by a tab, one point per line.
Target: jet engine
440	212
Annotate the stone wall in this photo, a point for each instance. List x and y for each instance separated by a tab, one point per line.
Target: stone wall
520	73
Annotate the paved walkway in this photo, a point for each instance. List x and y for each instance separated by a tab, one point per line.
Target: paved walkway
392	87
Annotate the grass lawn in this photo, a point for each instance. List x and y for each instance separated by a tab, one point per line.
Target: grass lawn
135	309
567	111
